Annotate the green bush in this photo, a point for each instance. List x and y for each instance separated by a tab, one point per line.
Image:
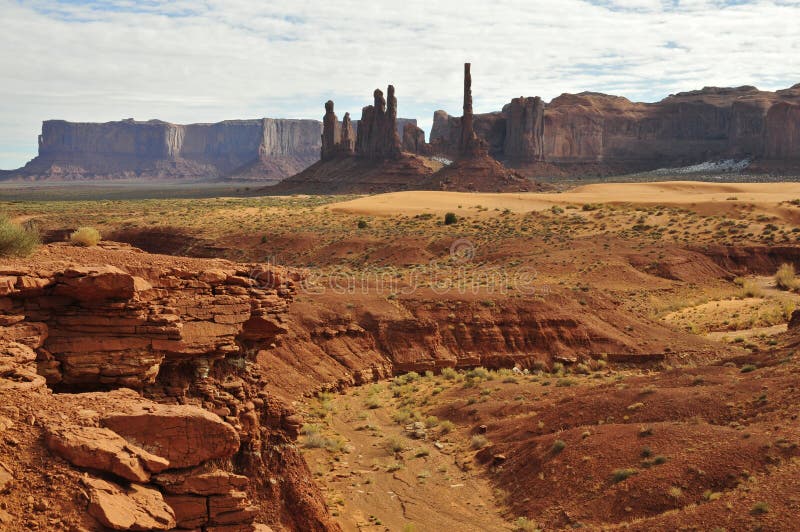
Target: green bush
450	218
85	236
16	240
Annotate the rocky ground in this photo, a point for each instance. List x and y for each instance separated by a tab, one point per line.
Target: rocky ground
346	389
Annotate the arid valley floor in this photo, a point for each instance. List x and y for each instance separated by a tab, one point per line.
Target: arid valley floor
612	356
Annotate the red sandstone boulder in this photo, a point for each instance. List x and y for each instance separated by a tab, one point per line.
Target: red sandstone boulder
231	508
134	508
185	435
104	450
197	482
98	283
190	511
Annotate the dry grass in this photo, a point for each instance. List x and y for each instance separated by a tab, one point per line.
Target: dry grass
86	236
16	240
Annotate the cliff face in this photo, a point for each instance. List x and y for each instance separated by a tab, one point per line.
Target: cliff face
264	148
783	132
598	129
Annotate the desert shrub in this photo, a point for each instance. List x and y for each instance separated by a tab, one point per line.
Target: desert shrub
450	218
373	402
395	445
621	474
759	508
785	277
523	524
675	492
478	441
431	421
16	240
362	224
555	209
446	427
85	236
558	446
449	374
747	368
751	289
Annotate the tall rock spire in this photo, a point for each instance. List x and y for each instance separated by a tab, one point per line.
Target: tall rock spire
331	134
470	144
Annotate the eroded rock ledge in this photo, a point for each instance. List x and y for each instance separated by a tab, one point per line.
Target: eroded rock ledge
198	443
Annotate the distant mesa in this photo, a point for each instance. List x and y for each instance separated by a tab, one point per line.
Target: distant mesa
585	134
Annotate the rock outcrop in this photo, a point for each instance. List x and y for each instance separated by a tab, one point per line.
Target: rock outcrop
331	133
600	134
375	161
470	144
525	130
474	170
135	507
783	132
414	140
266	148
377	138
198	442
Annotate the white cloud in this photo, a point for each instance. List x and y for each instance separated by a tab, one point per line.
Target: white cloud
190	61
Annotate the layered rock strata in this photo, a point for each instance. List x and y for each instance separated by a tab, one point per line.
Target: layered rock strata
200	444
598	132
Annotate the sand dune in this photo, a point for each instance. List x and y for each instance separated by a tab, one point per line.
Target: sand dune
705	198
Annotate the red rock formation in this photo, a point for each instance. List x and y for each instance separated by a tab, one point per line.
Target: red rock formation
104	324
414	140
598	133
469	145
524	139
348	141
782	137
331	133
377	138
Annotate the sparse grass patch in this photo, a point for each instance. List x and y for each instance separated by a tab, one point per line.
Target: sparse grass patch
478	441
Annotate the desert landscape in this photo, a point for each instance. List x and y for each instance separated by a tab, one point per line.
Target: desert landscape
578	310
614	355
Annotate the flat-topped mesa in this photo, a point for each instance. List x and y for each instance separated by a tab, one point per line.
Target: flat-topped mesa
377	136
470	145
524	139
331	133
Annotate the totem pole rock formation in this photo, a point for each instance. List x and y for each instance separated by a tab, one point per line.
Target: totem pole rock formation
348	141
470	145
377	136
337	139
331	132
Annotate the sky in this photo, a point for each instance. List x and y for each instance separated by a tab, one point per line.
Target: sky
204	61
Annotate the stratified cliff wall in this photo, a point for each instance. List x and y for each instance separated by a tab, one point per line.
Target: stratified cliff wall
263	148
595	130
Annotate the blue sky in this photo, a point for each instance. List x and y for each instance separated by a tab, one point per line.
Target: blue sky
203	61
